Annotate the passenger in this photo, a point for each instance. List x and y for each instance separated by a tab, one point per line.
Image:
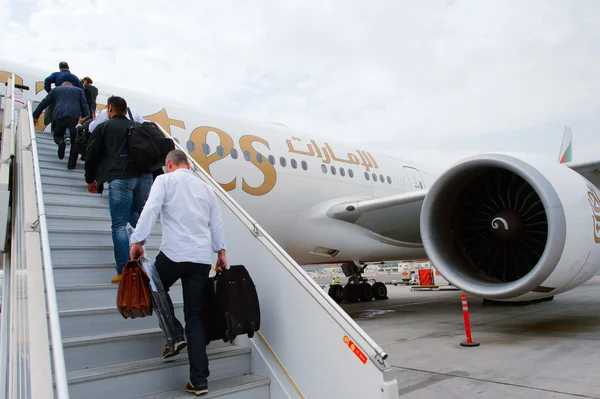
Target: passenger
192	230
91	93
130	114
58	78
69	105
106	160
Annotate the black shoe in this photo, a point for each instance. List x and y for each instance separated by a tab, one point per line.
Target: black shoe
203	390
71	167
178	347
61	150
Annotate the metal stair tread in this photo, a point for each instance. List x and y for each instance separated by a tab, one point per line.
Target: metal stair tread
122	335
108	337
218	388
98	311
89	287
94	216
69	267
128	368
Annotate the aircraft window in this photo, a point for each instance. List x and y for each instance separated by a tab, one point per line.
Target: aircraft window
259	158
220	151
389	179
205	148
246	155
333	171
234	153
304	165
282	161
271	159
350	173
367	176
374	177
324	168
294	163
342	172
381	179
191	147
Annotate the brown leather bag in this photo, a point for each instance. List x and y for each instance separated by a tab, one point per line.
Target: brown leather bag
134	298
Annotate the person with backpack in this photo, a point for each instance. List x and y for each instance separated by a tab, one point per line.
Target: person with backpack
107	159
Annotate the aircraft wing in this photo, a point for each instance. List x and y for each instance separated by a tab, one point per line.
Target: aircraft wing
588	169
395	217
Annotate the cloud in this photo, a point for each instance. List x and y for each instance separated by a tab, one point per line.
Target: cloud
428	81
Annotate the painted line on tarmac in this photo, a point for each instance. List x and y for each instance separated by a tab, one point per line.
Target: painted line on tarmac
401	305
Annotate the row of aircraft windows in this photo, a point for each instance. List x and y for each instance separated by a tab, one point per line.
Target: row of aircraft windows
283	162
351	174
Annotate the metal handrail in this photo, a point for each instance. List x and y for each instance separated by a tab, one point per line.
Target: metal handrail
369	341
58	358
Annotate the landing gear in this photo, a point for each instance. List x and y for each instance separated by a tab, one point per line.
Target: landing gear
336	292
358	288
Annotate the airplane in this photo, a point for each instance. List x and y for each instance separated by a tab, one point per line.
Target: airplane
502	227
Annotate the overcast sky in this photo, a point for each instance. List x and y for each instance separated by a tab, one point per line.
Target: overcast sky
431	81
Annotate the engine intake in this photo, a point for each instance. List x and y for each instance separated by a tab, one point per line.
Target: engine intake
493	226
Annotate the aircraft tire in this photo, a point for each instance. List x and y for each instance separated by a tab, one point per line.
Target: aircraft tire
336	292
366	292
379	291
351	293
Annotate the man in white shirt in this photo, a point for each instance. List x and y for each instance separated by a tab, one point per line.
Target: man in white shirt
103	116
192	230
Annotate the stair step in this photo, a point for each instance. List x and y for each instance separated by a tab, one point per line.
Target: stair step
74	189
60	166
86	322
64	210
152	376
53	158
119	347
97	224
77	180
48	172
84	274
97	296
90	255
99	240
89	202
249	386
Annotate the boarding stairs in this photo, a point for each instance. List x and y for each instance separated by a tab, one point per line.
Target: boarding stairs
67	338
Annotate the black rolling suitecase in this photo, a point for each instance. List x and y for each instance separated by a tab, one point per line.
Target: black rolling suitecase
231	306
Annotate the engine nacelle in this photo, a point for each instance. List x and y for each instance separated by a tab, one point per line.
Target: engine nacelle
512	227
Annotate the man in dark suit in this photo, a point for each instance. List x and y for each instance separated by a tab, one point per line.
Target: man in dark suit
69	105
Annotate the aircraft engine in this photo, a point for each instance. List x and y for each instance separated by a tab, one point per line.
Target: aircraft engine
512	227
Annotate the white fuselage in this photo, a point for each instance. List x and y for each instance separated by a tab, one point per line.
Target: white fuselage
285	181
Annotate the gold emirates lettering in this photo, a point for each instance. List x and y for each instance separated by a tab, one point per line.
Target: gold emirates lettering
594	200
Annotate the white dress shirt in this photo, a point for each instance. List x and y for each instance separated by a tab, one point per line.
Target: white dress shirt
192	227
103	116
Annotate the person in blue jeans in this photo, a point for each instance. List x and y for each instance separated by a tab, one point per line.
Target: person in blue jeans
107	161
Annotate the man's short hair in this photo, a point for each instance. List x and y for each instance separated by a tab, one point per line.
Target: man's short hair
118	103
177	157
88	79
63	65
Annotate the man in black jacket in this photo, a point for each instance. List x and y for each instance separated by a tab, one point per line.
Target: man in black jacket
69	105
107	160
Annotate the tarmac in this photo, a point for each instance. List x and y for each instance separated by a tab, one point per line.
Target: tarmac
543	350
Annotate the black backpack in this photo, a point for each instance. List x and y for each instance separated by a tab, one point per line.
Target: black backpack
147	146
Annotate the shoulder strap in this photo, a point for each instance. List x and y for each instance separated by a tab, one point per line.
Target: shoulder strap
130	116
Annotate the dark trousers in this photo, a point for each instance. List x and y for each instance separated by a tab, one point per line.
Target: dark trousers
60	128
194	280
